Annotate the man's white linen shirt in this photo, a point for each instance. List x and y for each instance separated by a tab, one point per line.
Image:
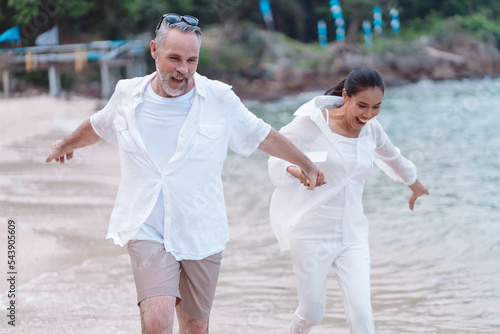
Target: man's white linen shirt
195	223
309	131
159	120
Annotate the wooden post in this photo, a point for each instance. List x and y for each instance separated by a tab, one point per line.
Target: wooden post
115	73
131	69
6	82
105	81
54	81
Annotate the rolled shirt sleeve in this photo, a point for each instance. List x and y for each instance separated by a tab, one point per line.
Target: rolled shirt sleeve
247	130
104	121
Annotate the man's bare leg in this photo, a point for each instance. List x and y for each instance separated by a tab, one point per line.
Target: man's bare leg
190	325
157	314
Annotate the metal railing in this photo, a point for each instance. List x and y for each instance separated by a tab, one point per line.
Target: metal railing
109	55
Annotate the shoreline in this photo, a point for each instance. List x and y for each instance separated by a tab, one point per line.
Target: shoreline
250	90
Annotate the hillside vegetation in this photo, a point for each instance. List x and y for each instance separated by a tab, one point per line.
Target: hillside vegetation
447	39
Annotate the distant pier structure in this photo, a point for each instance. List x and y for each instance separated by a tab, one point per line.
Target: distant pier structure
116	59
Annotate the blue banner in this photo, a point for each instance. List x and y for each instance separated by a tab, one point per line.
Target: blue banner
377	20
339	19
11	35
395	24
323	40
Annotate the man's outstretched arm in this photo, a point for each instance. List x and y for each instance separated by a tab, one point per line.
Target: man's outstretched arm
83	136
279	146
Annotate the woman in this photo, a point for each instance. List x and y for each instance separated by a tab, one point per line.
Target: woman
327	227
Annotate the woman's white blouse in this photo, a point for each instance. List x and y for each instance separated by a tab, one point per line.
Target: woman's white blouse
309	131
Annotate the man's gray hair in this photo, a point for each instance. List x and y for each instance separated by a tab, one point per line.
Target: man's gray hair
182	26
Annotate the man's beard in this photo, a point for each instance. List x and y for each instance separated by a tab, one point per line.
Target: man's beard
164	81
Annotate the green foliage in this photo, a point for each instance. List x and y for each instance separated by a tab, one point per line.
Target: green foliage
39	78
231	59
481	27
355	12
108	19
25	10
426	26
149	13
305	63
384	45
237	54
86	20
290	17
204	61
67	80
116	19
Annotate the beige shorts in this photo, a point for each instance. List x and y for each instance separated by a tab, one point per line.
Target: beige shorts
158	273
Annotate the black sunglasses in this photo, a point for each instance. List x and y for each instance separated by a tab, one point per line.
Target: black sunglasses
176	18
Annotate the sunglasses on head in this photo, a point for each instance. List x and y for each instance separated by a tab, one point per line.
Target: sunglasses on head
176	18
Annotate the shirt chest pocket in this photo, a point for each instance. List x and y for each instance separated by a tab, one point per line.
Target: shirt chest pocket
124	136
207	142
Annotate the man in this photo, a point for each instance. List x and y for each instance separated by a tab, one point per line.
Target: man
173	128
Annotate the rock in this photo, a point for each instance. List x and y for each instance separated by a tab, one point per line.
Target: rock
443	71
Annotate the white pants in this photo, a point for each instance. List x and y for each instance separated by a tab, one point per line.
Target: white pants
316	245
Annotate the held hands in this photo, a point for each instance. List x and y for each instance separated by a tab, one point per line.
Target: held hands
59	152
297	172
417	190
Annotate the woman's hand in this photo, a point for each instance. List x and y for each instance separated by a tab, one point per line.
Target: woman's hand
417	190
298	173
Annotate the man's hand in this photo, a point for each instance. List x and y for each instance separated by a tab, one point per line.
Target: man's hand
317	178
83	136
59	151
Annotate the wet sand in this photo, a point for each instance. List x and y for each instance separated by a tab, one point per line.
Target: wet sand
44	199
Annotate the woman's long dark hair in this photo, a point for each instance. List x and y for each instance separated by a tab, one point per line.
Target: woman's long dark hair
357	81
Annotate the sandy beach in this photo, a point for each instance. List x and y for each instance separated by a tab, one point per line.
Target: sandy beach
29	125
60	211
25	117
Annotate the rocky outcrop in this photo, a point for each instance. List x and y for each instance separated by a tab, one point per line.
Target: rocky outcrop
423	60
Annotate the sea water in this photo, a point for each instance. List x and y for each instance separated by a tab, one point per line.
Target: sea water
434	270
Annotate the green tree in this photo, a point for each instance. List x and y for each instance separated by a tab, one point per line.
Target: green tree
85	20
355	12
107	19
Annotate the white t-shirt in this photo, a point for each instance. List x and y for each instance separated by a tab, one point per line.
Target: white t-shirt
349	148
160	120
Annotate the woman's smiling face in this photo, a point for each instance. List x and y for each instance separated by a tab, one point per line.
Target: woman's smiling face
363	106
